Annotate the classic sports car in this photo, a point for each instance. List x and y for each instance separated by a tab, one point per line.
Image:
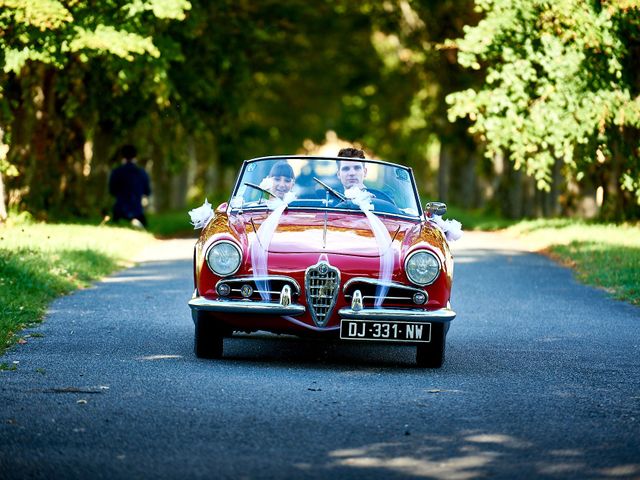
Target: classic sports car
324	246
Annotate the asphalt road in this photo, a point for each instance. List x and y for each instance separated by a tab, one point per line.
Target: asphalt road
541	380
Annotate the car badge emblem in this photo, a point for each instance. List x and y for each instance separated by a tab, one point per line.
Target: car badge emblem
323	268
246	291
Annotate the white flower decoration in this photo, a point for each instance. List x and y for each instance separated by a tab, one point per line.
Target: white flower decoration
289	197
361	198
200	216
276	202
266	183
452	229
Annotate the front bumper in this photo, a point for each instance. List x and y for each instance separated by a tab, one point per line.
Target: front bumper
443	315
244	306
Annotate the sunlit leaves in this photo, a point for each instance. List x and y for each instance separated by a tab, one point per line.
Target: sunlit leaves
171	9
108	39
557	82
15	59
46	31
41	14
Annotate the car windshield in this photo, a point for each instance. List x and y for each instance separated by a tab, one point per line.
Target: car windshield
326	183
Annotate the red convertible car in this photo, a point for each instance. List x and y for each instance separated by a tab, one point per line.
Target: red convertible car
324	246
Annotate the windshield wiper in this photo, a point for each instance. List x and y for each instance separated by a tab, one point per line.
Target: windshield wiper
258	187
332	190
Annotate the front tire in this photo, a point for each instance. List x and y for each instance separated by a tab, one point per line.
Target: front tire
431	355
209	339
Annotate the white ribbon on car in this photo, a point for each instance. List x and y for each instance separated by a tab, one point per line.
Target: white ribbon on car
200	216
452	229
362	199
260	246
266	183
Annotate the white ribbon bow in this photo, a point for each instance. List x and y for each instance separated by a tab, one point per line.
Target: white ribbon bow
200	216
452	229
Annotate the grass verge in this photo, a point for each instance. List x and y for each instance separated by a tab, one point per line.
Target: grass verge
478	219
602	255
171	225
39	262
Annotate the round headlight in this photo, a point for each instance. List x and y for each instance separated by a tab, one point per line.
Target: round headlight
224	258
422	267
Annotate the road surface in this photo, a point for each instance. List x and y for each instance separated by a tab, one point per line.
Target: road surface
541	380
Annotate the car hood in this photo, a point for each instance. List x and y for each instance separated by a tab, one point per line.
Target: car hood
304	232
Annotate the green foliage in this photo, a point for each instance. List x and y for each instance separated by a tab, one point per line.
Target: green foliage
107	39
46	31
172	225
476	219
560	84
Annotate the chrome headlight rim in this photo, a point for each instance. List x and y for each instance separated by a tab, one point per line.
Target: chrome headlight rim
214	245
418	252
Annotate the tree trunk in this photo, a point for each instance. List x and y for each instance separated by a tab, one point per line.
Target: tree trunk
510	193
214	183
3	204
160	177
530	198
179	187
101	165
612	204
469	182
42	173
444	173
21	93
551	200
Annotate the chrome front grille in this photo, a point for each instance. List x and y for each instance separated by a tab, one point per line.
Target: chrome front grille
397	295
322	283
274	284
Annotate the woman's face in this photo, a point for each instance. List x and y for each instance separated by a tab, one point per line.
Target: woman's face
281	185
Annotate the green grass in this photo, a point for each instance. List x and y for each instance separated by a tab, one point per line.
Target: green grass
39	262
477	219
603	255
171	225
177	224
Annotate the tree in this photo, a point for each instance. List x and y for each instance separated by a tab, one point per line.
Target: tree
56	95
560	92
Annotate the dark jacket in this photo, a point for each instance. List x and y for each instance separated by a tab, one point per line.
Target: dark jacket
128	183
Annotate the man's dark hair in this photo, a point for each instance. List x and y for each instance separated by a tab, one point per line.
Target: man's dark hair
128	152
351	152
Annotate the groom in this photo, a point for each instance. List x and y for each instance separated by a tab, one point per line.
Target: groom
352	172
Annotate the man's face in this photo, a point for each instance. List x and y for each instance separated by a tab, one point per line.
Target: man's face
281	185
352	173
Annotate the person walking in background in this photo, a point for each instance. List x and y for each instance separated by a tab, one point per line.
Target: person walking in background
129	183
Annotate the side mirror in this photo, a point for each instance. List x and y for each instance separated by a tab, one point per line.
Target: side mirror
435	208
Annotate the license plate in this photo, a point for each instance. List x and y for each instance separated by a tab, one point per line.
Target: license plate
385	331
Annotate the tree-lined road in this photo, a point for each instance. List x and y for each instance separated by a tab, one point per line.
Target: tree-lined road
541	380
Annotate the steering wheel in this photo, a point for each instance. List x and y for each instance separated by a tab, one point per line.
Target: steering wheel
379	205
380	195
